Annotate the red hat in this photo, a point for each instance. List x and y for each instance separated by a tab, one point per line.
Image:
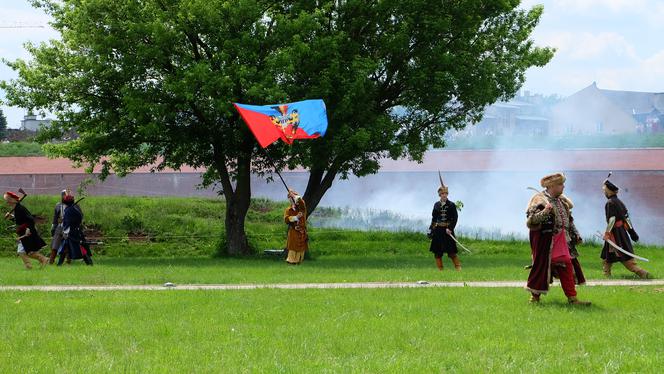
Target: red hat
12	195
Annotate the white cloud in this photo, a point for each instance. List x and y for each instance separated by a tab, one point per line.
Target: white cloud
588	46
597	5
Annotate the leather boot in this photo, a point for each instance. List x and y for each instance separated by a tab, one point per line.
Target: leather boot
574	301
457	263
606	268
439	263
52	256
634	268
534	298
26	260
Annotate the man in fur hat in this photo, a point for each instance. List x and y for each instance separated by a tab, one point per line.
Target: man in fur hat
551	229
295	217
619	230
443	221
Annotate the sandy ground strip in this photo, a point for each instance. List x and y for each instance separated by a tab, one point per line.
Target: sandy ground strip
289	286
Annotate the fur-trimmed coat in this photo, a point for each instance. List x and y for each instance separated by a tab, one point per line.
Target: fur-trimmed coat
543	227
298	239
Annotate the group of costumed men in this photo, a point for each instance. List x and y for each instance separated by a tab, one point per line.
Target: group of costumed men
553	237
67	235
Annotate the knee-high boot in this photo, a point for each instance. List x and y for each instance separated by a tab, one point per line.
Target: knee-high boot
439	263
52	256
88	260
634	268
457	263
606	268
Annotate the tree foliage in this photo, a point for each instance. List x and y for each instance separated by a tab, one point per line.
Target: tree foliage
3	125
152	82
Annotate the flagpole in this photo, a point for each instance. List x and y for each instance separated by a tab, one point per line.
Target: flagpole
275	169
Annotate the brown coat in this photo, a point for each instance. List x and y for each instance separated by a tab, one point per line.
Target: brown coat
298	240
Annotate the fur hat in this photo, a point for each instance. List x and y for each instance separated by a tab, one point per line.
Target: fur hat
552	180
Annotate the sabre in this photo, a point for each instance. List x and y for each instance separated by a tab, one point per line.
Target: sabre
614	245
462	246
534	189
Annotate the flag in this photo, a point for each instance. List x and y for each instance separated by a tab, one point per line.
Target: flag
300	120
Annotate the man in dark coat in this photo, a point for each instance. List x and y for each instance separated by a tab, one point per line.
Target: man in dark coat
551	230
29	241
56	227
619	230
74	243
444	218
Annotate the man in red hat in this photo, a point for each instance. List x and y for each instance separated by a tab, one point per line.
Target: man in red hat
551	229
619	230
29	241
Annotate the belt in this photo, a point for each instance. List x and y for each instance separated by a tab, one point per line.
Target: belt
441	224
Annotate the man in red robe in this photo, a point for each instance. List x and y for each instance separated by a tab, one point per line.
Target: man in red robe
551	229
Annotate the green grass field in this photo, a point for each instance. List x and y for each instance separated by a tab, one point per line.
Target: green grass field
20	149
301	331
420	330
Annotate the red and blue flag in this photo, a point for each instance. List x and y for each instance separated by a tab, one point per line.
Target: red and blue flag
288	122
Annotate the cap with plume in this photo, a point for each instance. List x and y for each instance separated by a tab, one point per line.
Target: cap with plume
443	187
610	186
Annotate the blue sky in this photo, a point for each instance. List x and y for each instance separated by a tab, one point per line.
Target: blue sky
616	43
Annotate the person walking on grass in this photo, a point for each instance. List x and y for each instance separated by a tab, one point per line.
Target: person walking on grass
73	244
29	241
551	229
444	218
56	227
619	230
295	216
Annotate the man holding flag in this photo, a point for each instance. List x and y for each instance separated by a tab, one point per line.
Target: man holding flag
288	122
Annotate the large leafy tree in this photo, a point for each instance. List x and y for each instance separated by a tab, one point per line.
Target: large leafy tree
397	74
152	82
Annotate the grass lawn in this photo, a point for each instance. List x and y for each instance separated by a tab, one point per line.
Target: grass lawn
337	330
466	330
491	261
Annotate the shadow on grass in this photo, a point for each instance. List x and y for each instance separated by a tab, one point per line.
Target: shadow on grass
564	305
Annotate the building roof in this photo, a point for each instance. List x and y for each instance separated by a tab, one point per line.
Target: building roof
44	165
628	101
443	160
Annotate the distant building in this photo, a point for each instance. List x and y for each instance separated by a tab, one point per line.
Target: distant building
597	111
31	123
526	114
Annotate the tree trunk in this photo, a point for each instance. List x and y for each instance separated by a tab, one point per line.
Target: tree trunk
236	238
319	182
238	200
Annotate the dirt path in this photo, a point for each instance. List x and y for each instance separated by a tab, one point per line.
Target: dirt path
420	284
